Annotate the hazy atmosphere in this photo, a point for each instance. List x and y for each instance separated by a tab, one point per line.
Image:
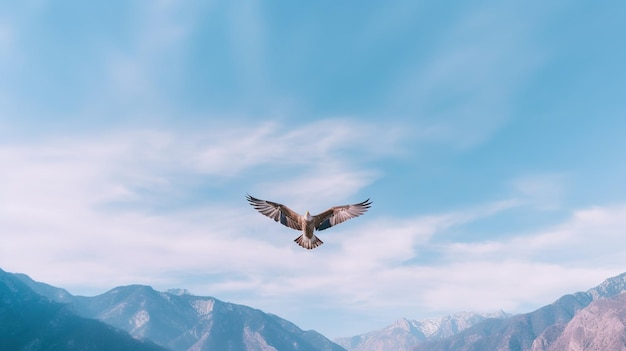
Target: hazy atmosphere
490	137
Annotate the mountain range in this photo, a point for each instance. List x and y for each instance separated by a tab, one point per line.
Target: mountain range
591	320
38	316
29	321
404	334
582	321
180	321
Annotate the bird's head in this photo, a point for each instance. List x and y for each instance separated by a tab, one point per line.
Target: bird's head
307	216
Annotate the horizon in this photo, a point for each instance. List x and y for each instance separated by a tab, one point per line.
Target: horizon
489	137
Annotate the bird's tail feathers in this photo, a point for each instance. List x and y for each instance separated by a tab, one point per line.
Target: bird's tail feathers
307	243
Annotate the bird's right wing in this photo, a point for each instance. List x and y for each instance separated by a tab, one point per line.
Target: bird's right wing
278	212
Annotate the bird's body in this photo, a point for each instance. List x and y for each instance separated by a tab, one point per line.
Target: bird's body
308	223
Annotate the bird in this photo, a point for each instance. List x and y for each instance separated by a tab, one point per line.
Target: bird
308	223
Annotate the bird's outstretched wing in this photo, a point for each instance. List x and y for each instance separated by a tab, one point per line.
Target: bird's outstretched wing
278	212
339	214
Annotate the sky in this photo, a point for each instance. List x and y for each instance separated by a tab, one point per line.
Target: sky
489	135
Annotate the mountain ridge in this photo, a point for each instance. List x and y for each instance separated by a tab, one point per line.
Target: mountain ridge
599	326
30	321
537	330
181	321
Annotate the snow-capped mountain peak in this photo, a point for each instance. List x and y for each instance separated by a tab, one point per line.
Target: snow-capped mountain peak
403	334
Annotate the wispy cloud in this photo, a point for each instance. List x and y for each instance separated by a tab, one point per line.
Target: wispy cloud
588	236
542	191
463	92
89	202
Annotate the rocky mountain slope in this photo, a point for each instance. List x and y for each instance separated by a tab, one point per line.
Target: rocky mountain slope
181	321
29	321
599	326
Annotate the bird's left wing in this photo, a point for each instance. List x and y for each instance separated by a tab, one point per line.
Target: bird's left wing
339	214
278	212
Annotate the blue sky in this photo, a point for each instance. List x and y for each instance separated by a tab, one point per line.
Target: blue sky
489	135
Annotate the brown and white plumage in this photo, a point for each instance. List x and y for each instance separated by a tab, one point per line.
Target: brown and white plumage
307	223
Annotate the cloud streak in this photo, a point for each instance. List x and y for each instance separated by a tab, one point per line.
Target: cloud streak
80	201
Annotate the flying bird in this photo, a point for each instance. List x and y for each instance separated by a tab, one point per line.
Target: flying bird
308	223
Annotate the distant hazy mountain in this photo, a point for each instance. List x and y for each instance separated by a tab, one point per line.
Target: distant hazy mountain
405	334
181	321
29	321
592	320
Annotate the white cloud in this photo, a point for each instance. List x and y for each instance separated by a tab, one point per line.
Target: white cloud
318	189
509	284
322	142
63	201
589	236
